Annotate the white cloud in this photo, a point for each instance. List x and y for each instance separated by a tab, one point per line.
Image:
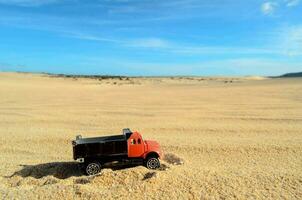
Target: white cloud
292	3
268	8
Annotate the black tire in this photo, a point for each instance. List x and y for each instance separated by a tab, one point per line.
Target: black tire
93	168
152	163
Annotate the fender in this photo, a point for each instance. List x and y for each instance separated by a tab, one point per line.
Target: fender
155	153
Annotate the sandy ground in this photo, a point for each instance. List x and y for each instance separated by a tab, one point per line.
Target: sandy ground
239	138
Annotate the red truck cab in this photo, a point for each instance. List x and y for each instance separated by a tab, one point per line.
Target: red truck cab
137	147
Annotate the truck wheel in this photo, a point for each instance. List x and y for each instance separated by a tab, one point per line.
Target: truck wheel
93	168
152	163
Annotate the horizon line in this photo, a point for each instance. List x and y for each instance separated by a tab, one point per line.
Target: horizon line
89	75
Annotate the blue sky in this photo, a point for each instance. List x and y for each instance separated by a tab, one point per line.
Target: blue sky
151	37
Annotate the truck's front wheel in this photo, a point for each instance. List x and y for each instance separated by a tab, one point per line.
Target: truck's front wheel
93	168
152	163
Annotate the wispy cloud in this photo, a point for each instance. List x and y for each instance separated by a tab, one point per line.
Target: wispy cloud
164	45
147	5
28	2
157	43
223	50
288	42
82	36
149	43
156	10
291	40
268	8
292	3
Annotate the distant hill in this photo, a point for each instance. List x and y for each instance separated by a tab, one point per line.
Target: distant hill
291	75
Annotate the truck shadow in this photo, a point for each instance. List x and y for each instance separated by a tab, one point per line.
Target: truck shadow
61	170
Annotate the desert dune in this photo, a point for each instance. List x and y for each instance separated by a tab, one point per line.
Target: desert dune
224	137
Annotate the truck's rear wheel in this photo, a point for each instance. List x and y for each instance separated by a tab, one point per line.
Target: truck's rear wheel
93	168
152	163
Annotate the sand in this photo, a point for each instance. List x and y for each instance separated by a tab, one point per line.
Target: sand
225	138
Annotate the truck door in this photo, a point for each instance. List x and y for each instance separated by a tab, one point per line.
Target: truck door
136	147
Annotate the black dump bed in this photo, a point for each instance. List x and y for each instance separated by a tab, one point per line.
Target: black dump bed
106	146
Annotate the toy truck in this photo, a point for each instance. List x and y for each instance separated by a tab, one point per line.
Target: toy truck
128	147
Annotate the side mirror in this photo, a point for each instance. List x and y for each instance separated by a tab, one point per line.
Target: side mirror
78	137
